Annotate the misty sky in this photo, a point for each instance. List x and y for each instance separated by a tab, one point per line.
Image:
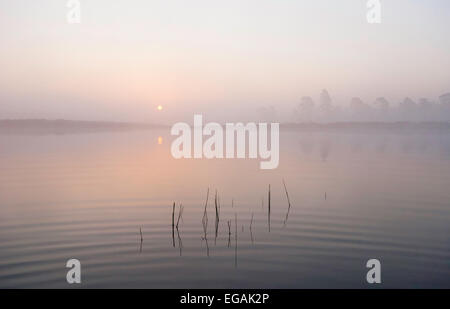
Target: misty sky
222	58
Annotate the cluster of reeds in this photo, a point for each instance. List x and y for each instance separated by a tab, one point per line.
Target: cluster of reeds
217	208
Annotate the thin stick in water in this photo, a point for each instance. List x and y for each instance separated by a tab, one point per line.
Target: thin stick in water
250	228
229	232
289	202
216	204
205	213
173	224
268	209
173	215
180	214
235	242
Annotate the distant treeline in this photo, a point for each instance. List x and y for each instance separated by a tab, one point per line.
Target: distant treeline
380	110
378	126
308	110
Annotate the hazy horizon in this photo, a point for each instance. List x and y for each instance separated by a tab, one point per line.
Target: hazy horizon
229	61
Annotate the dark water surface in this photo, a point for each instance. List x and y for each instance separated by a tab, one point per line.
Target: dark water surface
355	196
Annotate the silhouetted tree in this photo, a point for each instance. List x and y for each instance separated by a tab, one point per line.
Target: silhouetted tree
305	109
325	104
445	107
359	109
381	107
408	109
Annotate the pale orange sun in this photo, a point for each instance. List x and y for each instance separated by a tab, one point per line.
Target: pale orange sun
160	107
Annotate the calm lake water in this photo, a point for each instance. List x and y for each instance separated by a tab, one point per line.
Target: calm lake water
355	196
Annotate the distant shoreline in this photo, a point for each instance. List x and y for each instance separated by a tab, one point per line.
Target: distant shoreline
370	126
61	126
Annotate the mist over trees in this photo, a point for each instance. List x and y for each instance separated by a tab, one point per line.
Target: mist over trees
379	110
